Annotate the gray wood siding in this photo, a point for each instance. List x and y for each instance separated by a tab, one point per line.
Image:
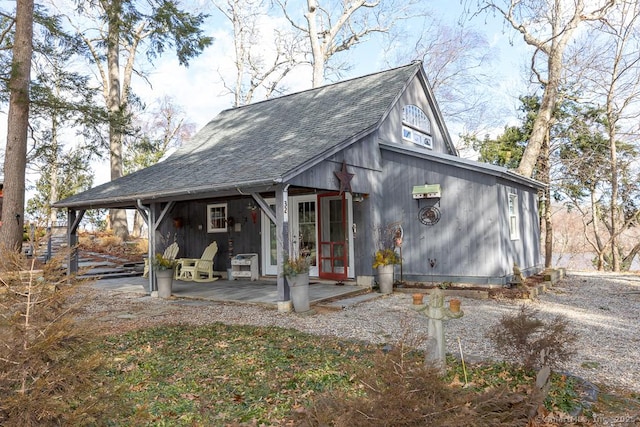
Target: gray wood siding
362	159
468	243
525	251
192	240
391	128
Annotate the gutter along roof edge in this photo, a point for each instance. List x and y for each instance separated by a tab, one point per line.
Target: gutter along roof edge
145	197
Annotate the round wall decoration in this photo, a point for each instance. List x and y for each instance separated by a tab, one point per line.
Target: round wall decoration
429	215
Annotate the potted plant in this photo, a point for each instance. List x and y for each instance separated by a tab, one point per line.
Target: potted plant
384	260
296	271
163	268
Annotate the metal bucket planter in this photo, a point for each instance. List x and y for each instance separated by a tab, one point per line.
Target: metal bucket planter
164	279
385	278
299	291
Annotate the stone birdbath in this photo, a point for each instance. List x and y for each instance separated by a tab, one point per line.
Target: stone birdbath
437	314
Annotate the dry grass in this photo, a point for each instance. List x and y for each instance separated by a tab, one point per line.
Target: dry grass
108	243
48	369
398	389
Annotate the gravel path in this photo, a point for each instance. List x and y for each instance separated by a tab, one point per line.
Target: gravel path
602	309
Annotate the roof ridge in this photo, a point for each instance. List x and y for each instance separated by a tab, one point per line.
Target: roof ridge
325	86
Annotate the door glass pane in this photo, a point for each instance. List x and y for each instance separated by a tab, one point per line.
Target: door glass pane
273	242
307	242
336	228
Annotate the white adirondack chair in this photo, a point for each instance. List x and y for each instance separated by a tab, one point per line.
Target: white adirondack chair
198	270
171	252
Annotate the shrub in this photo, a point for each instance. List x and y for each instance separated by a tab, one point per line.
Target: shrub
49	370
294	266
522	337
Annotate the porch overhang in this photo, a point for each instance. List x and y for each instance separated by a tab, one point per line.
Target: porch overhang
130	201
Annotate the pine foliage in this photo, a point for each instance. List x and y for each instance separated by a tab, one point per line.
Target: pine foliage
48	366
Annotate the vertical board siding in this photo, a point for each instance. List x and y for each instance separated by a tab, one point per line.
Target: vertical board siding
193	240
469	239
362	160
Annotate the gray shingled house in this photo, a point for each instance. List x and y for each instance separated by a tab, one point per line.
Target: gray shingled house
321	172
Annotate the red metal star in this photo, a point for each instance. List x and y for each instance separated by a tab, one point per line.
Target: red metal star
345	178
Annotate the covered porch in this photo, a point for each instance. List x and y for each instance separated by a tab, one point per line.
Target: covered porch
263	291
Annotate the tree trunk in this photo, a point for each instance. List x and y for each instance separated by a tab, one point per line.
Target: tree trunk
53	193
548	240
614	208
544	171
118	217
138	225
53	167
595	217
543	120
317	53
17	126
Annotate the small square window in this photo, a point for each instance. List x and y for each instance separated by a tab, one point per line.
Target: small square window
217	218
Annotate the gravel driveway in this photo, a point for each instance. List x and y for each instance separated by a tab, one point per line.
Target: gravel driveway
602	309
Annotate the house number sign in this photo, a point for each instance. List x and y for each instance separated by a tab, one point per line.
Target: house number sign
429	215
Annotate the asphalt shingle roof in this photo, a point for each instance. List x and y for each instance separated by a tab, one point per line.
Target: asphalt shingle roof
261	142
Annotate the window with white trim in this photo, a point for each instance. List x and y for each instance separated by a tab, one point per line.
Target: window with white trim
217	218
514	233
416	126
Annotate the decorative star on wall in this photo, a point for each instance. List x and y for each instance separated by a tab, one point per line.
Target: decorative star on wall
345	178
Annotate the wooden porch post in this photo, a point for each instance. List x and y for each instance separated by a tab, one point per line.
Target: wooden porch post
152	226
156	216
73	220
283	240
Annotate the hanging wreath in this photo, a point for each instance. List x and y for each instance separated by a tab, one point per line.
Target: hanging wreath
429	215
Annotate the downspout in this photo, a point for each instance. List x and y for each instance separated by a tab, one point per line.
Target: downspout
150	232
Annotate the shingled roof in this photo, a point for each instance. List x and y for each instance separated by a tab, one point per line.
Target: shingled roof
260	144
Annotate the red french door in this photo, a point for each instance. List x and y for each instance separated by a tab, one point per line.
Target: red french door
333	237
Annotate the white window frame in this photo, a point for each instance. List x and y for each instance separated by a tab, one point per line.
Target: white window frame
217	216
416	126
413	116
514	218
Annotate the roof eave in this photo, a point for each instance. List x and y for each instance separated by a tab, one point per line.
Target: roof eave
129	201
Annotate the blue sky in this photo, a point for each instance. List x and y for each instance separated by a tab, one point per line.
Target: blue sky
197	88
199	92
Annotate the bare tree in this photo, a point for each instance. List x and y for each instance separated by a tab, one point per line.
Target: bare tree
611	81
255	68
336	26
163	129
455	59
548	26
18	123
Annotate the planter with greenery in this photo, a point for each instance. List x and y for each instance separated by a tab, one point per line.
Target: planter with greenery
163	268
296	271
384	261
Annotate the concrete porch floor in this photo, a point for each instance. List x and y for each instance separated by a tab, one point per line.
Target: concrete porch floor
263	291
